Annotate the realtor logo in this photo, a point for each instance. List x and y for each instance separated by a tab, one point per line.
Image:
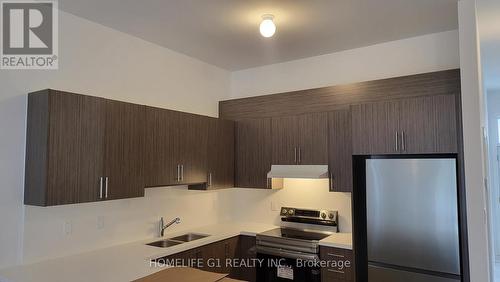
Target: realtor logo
29	35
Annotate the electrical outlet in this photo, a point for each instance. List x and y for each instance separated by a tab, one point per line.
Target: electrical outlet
68	228
100	222
275	206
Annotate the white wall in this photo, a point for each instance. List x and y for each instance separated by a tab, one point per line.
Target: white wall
126	68
98	61
493	104
421	54
473	114
260	205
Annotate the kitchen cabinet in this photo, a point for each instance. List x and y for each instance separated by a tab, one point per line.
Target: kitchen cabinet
340	264
284	140
408	126
300	139
245	251
340	150
220	159
176	149
161	166
191	153
374	128
428	125
82	149
211	257
253	152
124	143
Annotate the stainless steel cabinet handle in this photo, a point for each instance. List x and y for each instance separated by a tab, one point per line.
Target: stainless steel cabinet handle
106	193
403	141
331	181
300	153
178	178
295	154
336	271
101	184
182	172
209	179
335	255
397	141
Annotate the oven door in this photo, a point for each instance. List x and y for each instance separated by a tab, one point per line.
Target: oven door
285	266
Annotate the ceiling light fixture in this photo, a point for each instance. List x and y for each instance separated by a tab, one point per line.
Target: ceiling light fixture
267	27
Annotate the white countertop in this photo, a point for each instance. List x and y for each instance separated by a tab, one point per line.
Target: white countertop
131	261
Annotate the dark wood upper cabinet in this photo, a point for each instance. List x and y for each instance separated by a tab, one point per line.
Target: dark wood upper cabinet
64	148
285	140
340	151
161	149
125	140
374	128
301	139
428	125
176	148
253	152
192	150
407	126
220	158
446	123
76	142
313	139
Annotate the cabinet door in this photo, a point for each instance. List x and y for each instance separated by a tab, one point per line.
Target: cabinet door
284	140
428	125
340	150
230	247
193	136
374	128
342	265
417	125
312	139
245	251
75	148
253	152
220	154
124	149
160	151
446	123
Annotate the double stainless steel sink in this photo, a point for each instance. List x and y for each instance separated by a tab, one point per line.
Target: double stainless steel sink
188	237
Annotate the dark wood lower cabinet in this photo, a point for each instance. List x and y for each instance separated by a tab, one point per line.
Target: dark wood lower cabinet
340	266
219	257
245	251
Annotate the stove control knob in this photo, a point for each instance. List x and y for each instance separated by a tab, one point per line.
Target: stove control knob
330	215
323	215
284	211
290	212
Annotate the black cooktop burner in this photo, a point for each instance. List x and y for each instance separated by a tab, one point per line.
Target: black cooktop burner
296	234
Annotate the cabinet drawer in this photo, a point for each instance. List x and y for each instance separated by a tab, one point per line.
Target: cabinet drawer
340	264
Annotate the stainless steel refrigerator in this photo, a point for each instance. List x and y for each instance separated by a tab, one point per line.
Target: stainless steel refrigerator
412	220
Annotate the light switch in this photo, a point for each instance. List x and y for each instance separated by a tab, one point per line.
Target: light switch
68	228
100	222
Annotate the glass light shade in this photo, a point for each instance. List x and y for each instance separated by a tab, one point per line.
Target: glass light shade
267	27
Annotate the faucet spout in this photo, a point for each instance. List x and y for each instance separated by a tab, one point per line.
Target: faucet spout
164	226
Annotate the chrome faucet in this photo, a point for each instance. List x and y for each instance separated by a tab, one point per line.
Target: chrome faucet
164	226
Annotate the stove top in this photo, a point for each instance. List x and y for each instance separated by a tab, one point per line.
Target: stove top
296	234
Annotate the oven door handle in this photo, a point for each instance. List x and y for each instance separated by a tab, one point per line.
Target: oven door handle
286	253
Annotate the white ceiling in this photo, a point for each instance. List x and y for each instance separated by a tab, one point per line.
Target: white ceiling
488	15
225	32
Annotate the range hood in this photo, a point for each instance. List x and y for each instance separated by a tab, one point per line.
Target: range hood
298	171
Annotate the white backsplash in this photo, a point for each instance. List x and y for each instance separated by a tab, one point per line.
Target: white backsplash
262	205
64	230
